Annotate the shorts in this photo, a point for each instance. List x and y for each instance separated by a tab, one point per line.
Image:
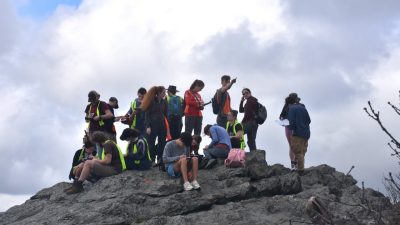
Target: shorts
170	170
101	170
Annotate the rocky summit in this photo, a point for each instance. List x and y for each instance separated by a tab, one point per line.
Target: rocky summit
256	194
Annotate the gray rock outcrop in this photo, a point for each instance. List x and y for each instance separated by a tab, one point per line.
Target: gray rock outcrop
257	194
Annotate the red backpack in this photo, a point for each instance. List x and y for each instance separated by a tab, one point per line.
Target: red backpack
236	158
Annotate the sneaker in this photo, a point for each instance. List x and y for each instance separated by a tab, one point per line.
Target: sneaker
211	163
187	186
76	188
195	185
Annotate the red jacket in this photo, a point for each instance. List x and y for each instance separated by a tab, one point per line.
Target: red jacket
193	104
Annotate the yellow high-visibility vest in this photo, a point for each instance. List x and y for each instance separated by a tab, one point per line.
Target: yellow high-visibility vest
137	162
133	107
101	122
242	144
121	156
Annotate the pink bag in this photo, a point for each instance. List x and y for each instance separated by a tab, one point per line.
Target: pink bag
236	158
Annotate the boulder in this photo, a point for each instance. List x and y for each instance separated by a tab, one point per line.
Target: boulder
256	194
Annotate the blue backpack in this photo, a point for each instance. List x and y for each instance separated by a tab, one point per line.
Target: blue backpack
175	106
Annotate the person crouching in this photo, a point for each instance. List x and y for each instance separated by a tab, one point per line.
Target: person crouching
179	163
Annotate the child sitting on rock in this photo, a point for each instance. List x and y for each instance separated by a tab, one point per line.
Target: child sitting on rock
178	162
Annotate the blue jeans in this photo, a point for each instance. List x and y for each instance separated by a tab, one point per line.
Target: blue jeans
216	152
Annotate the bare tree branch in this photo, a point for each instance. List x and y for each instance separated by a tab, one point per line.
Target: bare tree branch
375	116
394	182
392	186
397	110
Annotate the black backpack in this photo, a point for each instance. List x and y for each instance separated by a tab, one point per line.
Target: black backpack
261	114
214	103
217	103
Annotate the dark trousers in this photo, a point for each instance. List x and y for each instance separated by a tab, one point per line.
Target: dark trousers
222	120
193	123
216	153
250	128
175	126
158	131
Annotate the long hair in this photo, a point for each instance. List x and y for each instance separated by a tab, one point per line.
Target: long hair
195	83
150	96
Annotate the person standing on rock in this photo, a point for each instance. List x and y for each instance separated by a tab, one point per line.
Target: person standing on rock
179	163
218	148
291	99
155	107
109	123
193	107
175	112
224	101
135	116
249	120
299	121
110	163
96	112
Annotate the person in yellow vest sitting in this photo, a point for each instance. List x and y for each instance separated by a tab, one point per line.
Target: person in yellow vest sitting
80	156
235	128
137	155
111	162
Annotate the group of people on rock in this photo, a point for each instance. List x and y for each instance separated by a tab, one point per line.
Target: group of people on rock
156	116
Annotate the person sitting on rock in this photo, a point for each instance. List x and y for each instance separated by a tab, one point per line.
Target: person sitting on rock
235	128
88	150
218	148
111	162
137	152
194	148
179	163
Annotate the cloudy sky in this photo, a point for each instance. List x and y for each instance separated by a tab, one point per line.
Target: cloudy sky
336	55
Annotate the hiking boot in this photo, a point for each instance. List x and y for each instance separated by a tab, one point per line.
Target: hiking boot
187	186
66	189
195	185
70	185
211	163
76	188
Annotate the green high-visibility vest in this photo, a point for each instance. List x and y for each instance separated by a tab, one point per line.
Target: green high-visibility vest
146	146
133	107
82	154
101	122
121	156
242	144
